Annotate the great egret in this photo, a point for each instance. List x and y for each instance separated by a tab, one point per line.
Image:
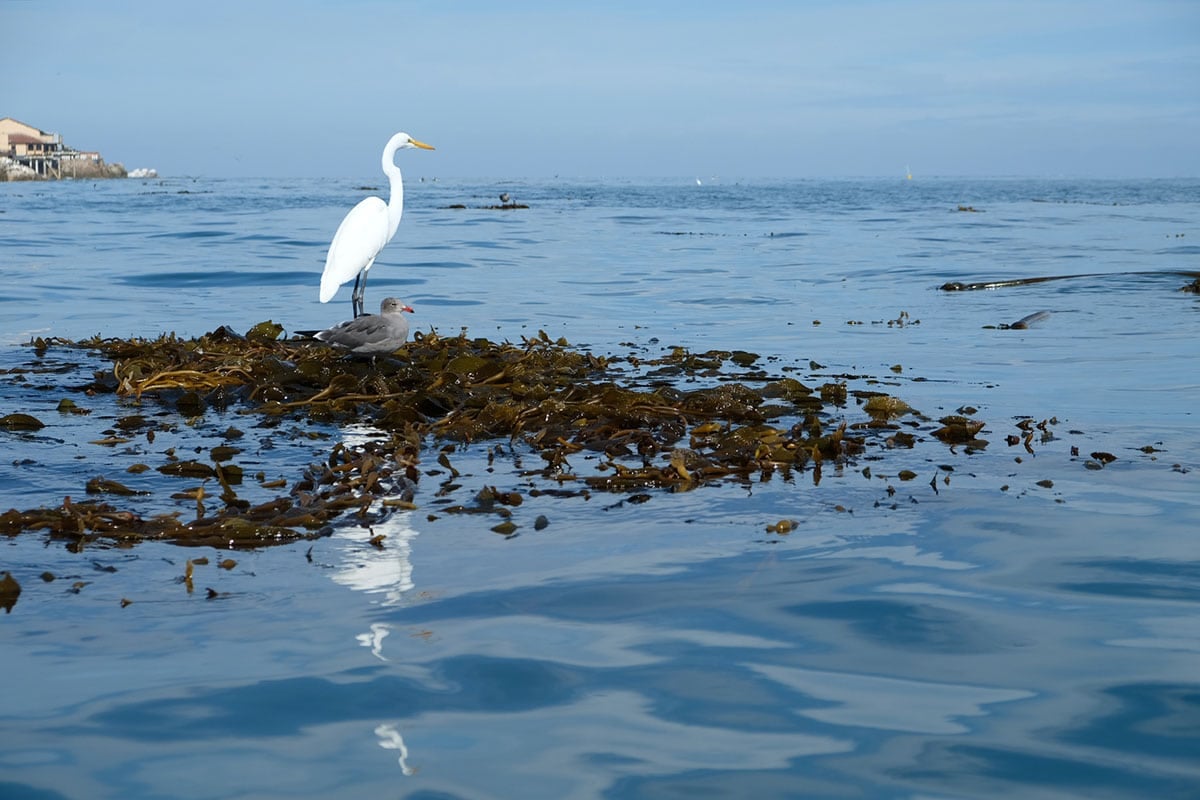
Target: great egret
371	334
366	230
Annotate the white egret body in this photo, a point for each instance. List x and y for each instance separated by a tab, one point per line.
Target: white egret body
366	230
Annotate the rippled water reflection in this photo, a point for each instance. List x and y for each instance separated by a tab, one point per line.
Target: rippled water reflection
1015	625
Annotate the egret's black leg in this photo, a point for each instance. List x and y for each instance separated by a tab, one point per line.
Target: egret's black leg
356	298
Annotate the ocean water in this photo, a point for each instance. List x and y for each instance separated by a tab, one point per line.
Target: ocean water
1012	622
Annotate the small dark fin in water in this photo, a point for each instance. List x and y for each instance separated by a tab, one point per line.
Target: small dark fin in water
1022	324
1026	322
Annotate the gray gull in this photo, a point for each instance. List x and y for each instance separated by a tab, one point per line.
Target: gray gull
371	334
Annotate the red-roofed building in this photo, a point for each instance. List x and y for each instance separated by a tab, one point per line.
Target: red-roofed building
27	145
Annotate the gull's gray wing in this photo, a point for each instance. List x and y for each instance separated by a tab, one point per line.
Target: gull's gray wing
368	334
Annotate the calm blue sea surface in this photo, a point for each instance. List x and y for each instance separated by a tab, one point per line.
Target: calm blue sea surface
1011	622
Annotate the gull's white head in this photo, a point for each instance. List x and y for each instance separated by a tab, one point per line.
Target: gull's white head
394	305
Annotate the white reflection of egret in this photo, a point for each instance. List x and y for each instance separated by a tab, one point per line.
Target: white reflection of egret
390	739
374	639
386	570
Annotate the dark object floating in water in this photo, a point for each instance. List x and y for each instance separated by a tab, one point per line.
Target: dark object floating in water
957	429
10	590
1023	323
1031	319
959	286
506	202
505	205
21	422
971	209
1192	288
702	233
105	486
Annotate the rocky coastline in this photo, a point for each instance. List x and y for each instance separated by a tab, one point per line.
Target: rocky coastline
10	170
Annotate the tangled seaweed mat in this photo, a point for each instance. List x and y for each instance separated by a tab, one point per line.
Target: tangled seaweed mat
638	428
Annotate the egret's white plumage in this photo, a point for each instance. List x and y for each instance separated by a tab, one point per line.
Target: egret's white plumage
366	230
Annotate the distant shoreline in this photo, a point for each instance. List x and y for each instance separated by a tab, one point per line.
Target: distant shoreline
82	169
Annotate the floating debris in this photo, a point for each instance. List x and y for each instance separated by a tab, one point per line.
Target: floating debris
506	528
10	590
21	422
960	286
66	406
105	486
957	429
627	419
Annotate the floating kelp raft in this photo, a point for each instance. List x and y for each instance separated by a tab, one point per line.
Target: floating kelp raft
675	421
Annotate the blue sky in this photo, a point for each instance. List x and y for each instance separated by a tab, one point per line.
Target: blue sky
616	89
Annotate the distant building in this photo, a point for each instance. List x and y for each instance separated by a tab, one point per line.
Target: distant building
30	147
25	146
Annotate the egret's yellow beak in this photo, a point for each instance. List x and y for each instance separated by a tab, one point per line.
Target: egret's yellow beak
421	145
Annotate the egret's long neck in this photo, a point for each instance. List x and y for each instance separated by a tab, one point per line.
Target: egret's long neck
396	198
